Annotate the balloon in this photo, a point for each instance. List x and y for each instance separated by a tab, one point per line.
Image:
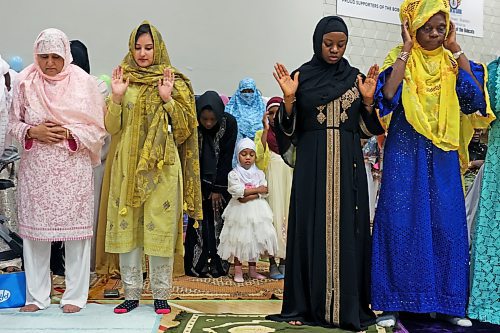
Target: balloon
16	63
106	79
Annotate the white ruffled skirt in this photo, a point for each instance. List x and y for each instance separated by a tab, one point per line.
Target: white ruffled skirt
248	231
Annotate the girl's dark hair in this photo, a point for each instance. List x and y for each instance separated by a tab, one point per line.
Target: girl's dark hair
143	29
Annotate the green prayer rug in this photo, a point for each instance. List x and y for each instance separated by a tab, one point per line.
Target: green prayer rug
232	323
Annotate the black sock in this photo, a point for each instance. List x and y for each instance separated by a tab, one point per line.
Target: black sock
128	305
161	304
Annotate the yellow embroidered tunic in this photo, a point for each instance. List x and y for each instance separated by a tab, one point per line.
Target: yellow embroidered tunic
157	224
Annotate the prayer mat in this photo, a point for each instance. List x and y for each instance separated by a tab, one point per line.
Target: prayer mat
95	318
229	323
422	323
192	288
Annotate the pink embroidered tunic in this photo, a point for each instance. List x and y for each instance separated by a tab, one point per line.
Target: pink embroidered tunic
55	182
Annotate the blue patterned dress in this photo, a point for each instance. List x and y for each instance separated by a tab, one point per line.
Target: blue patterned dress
420	257
484	303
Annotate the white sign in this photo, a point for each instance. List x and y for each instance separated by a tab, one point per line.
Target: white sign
467	14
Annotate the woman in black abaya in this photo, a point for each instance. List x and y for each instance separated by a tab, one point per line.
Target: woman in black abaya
327	108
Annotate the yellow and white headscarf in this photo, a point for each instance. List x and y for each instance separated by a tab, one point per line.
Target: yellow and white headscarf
429	97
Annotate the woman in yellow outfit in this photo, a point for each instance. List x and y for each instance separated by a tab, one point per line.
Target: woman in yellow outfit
155	167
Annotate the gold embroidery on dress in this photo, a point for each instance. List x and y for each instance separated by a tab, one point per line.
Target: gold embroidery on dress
347	99
329	213
321	116
336	214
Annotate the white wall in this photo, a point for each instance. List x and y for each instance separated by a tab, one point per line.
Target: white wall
370	41
214	42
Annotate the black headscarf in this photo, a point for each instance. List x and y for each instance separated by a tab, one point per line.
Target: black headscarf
209	144
212	101
80	55
322	81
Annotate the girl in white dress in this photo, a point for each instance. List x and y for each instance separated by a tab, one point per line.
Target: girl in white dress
248	230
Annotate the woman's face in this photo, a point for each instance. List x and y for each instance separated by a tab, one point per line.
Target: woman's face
333	47
433	33
271	113
51	64
144	50
208	119
246	158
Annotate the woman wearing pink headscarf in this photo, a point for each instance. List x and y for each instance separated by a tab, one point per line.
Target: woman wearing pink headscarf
58	117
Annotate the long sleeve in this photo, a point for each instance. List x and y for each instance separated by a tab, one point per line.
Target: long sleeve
369	123
470	96
384	105
235	187
262	154
224	164
285	122
263	182
113	118
17	127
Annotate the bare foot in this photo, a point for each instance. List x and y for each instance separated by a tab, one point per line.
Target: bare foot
29	308
68	308
295	323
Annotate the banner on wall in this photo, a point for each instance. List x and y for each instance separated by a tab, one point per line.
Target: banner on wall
467	14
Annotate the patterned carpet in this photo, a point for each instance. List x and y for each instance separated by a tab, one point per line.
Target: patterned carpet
191	288
184	322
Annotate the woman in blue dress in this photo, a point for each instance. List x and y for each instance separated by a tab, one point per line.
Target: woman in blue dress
427	88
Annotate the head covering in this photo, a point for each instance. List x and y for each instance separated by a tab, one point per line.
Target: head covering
208	155
70	98
322	81
272	141
435	116
151	149
80	55
224	98
247	109
210	100
250	177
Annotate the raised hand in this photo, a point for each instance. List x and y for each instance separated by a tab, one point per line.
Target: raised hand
367	88
118	85
450	42
166	85
265	121
287	84
405	35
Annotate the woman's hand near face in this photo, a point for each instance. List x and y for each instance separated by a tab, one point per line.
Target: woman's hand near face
367	88
265	121
166	85
405	35
287	84
48	133
450	43
118	85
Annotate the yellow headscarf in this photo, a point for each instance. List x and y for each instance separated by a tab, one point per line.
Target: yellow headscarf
429	97
151	147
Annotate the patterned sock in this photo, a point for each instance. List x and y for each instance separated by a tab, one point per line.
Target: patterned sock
161	306
126	306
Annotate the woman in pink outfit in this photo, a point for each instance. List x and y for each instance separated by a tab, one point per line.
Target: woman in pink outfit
58	117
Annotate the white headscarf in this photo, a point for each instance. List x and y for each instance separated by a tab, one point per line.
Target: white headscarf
248	176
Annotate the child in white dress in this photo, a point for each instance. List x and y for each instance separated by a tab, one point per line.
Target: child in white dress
248	230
